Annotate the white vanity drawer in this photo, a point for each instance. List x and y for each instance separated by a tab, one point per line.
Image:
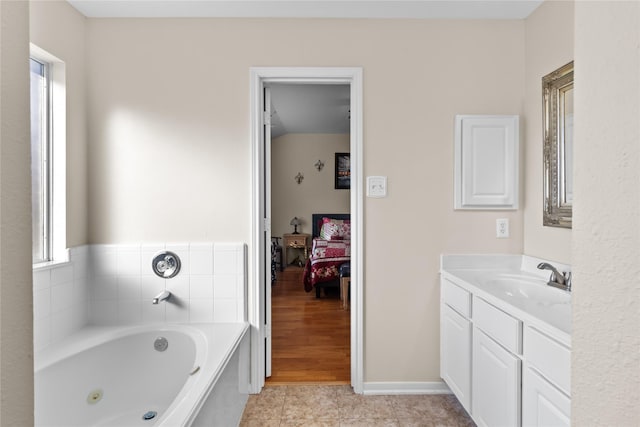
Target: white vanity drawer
457	298
498	325
551	358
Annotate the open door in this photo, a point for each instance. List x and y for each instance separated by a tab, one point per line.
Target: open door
266	126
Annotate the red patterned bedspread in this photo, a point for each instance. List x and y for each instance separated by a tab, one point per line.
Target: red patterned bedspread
326	258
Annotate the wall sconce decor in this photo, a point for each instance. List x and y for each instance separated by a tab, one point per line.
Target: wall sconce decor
319	165
299	178
295	222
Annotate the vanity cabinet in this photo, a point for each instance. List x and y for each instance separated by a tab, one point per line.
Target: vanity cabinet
505	367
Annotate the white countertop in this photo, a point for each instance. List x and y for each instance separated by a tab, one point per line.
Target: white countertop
513	284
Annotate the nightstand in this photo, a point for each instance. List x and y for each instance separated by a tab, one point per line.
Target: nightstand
296	241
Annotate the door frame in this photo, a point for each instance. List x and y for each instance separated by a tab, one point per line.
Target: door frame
256	295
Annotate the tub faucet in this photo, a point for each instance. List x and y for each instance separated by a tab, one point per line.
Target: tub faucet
557	279
163	296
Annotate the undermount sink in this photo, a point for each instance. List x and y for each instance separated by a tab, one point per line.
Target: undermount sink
526	288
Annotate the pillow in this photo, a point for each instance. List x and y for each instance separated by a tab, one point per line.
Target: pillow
335	229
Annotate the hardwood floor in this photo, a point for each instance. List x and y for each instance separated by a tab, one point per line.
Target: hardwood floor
310	336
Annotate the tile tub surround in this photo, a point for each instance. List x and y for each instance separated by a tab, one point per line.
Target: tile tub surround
106	285
210	287
60	298
340	406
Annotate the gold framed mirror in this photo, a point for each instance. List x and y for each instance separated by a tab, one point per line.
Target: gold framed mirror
557	98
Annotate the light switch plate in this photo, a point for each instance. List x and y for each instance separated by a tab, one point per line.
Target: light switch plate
376	186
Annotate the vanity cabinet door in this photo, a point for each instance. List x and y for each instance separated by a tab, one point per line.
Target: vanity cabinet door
543	405
455	354
496	383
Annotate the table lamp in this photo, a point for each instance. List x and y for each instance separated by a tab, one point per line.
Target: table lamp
295	222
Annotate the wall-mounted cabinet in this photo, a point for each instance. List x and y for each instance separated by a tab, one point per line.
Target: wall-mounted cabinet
486	162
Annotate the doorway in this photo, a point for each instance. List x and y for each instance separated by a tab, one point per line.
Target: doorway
309	124
259	300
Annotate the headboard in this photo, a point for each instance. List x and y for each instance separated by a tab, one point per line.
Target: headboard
316	220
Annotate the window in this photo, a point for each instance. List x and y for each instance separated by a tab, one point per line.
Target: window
40	164
48	157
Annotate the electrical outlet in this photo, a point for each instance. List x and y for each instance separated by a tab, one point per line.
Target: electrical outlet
502	228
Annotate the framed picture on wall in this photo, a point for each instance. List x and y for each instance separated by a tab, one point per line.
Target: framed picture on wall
343	171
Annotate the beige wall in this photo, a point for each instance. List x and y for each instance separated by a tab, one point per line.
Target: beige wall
16	319
58	28
170	150
548	46
606	243
293	153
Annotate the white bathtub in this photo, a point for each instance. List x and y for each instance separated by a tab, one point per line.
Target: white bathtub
114	376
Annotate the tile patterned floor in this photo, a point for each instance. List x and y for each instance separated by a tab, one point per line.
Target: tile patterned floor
338	406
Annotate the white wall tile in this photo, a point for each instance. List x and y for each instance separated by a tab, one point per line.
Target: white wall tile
41	333
201	310
62	325
129	287
129	312
178	286
103	313
177	311
62	297
104	288
114	284
128	260
41	303
201	259
224	261
153	313
104	260
201	287
225	310
41	279
225	286
151	286
62	274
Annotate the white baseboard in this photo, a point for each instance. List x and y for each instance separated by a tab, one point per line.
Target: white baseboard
435	387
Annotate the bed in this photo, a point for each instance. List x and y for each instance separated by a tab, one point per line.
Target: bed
330	248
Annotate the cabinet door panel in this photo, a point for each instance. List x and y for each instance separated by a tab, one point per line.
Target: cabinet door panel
496	383
543	405
455	354
486	162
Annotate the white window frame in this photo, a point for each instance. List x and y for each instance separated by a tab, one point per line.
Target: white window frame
57	135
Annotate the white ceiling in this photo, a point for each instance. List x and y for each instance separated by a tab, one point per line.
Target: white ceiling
309	108
420	9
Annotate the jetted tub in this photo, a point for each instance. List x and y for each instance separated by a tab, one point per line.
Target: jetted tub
121	376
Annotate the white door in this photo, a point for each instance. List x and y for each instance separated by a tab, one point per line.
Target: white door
267	226
543	405
455	361
495	394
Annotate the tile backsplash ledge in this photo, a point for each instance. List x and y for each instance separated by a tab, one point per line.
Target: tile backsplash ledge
114	284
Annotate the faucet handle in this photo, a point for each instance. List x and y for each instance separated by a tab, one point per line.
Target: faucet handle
567	279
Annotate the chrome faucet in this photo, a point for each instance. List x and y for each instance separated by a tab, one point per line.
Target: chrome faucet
557	279
163	296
